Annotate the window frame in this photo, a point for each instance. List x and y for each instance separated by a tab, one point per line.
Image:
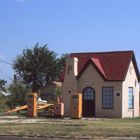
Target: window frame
88	94
129	99
112	107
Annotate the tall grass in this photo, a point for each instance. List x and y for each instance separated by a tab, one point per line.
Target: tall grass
89	128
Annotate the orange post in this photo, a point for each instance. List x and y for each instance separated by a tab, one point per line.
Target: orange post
32	105
58	109
76	105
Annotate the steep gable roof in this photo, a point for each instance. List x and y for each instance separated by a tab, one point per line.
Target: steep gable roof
112	66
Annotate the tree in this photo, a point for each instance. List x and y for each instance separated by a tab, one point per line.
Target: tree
2	85
37	66
18	94
61	65
3	98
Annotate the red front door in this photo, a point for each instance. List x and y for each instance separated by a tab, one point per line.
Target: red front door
88	104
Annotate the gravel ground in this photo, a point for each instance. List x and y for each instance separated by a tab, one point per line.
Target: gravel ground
16	119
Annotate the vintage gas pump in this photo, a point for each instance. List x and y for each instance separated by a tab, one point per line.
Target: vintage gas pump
58	108
32	105
76	105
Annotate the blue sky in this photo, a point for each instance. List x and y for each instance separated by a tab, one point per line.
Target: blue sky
68	26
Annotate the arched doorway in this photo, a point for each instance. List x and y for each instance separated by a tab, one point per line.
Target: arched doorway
88	105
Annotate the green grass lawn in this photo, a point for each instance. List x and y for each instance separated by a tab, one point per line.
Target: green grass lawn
75	128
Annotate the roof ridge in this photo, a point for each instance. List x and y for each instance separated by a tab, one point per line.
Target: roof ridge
99	65
106	52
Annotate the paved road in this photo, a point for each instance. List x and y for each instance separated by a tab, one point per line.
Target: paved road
20	138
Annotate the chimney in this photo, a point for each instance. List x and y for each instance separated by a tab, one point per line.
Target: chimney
71	66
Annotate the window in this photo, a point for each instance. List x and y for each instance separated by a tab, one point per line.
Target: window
107	97
74	100
130	98
88	94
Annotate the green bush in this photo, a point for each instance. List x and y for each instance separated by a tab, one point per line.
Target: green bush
3	104
18	94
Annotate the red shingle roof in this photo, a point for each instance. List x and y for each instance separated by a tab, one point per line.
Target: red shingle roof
112	66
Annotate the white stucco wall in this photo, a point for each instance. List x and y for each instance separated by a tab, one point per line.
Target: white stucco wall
130	81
